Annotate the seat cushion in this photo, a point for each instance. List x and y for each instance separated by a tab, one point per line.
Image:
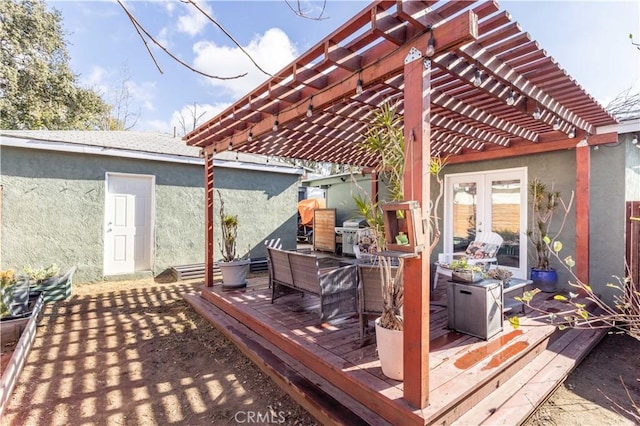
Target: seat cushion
479	250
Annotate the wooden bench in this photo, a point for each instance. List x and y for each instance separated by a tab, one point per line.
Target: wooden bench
291	271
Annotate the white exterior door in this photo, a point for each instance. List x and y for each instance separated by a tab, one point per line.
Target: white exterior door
492	201
128	223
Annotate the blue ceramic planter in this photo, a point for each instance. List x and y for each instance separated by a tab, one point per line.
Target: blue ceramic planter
546	281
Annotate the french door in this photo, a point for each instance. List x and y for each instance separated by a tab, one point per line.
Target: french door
490	201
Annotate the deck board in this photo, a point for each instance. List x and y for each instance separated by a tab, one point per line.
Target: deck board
464	370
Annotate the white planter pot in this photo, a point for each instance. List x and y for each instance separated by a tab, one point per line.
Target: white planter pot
390	351
234	274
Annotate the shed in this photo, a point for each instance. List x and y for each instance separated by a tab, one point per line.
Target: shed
130	203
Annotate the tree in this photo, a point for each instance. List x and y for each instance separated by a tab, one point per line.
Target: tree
37	87
120	116
187	124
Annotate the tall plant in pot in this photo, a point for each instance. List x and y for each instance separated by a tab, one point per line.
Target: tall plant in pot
234	270
543	236
385	139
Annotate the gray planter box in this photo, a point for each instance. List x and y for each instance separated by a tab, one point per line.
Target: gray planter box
476	309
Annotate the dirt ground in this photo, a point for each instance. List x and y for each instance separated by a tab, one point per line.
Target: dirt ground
134	353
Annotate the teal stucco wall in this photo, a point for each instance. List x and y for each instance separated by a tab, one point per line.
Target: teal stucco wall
615	171
552	168
53	209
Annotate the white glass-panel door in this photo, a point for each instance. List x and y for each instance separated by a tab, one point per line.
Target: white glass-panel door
493	201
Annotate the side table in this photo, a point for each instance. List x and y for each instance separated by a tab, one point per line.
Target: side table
516	287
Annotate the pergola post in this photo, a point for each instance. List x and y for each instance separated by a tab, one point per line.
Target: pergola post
583	177
208	219
417	101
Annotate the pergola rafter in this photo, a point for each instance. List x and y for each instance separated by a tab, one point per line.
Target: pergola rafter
327	74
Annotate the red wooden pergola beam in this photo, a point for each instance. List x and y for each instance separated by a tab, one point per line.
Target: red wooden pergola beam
416	187
342	57
452	33
208	220
583	188
453	104
522	85
514	151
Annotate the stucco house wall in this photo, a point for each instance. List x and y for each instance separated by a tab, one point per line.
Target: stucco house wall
53	208
615	179
339	190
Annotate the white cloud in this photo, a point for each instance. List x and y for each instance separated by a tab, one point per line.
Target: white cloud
183	119
162	38
271	50
96	80
160	126
169	6
193	21
142	93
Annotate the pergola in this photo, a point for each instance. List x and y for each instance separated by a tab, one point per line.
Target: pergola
471	85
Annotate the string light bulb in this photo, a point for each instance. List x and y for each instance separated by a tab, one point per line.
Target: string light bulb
431	45
230	148
511	99
359	87
571	134
250	136
477	80
275	125
556	126
310	108
537	114
634	140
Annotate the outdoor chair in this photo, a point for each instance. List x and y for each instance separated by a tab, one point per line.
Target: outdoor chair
370	301
481	251
290	271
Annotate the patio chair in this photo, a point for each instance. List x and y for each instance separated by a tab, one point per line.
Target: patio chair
482	250
370	301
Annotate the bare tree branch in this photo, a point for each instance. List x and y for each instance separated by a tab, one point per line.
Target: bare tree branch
139	27
135	25
216	23
625	105
195	118
299	12
637	45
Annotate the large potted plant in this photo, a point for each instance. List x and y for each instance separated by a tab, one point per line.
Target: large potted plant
234	270
543	236
385	139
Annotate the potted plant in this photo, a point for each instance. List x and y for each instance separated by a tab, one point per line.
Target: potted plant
500	274
7	283
234	270
544	203
385	139
463	272
48	280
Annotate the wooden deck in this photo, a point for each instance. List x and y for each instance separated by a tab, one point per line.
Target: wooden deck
323	366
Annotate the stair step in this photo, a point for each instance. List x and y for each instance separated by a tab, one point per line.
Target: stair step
324	401
518	397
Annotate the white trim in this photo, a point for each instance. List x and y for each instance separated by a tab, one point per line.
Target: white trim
152	219
483	205
141	155
628	126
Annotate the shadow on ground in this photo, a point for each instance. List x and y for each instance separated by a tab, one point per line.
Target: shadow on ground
136	353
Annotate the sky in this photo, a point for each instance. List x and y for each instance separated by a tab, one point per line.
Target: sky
589	39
